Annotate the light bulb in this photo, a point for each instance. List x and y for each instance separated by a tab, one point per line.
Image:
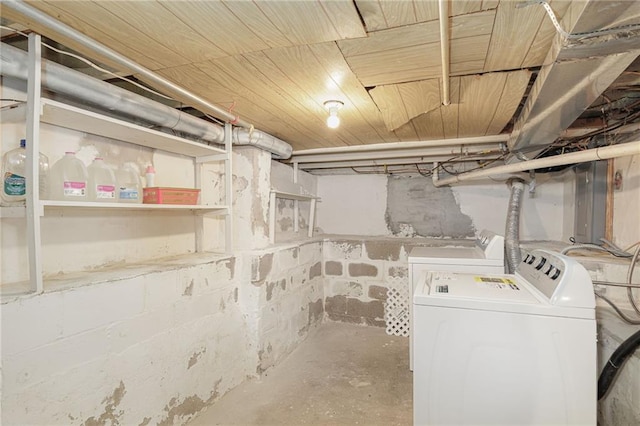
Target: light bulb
333	121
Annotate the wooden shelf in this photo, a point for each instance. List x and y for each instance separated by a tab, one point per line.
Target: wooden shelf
70	117
12	211
77	119
129	206
274	194
20	211
293	196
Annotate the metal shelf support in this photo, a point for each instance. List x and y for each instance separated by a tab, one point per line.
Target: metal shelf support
34	89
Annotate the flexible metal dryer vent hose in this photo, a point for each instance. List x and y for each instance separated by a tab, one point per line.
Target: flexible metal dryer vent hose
512	231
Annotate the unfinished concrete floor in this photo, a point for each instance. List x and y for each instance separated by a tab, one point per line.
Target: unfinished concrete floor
343	374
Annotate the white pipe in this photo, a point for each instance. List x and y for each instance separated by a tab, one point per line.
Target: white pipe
400	145
460	150
410	161
156	80
602	153
443	8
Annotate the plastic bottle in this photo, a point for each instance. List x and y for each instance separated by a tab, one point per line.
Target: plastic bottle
150	176
14	187
129	186
102	182
69	179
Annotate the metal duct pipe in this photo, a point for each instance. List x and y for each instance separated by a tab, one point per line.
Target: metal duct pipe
157	81
65	81
602	153
512	229
443	9
278	148
105	96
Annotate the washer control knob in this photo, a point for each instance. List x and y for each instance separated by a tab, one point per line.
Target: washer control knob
540	264
556	274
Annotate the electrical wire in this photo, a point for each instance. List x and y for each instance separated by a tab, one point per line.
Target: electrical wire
614	284
396	169
632	246
632	266
93	65
618	311
616	253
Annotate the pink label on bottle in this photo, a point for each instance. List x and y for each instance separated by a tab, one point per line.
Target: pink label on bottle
105	191
74	189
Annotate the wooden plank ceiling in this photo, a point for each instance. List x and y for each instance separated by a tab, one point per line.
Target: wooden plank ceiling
274	63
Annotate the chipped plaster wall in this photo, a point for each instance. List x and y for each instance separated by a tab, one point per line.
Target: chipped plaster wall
285	299
156	343
407	205
251	185
151	347
416	208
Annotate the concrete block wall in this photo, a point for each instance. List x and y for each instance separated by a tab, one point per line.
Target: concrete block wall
153	347
285	299
359	271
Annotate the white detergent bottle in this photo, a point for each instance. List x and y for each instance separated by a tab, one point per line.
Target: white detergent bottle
14	185
129	185
102	182
69	179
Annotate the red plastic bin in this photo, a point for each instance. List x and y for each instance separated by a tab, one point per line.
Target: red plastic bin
161	195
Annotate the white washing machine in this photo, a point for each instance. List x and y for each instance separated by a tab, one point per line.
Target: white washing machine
486	256
506	349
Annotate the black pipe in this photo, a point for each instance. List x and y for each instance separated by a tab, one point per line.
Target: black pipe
615	363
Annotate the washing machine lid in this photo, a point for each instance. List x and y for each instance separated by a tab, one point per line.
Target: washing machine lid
490	292
451	256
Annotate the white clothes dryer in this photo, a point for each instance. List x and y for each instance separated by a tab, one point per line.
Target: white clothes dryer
506	349
486	256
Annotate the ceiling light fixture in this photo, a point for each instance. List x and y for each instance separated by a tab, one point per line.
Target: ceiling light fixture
333	121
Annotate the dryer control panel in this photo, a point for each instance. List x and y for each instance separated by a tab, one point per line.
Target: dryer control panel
491	244
563	280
